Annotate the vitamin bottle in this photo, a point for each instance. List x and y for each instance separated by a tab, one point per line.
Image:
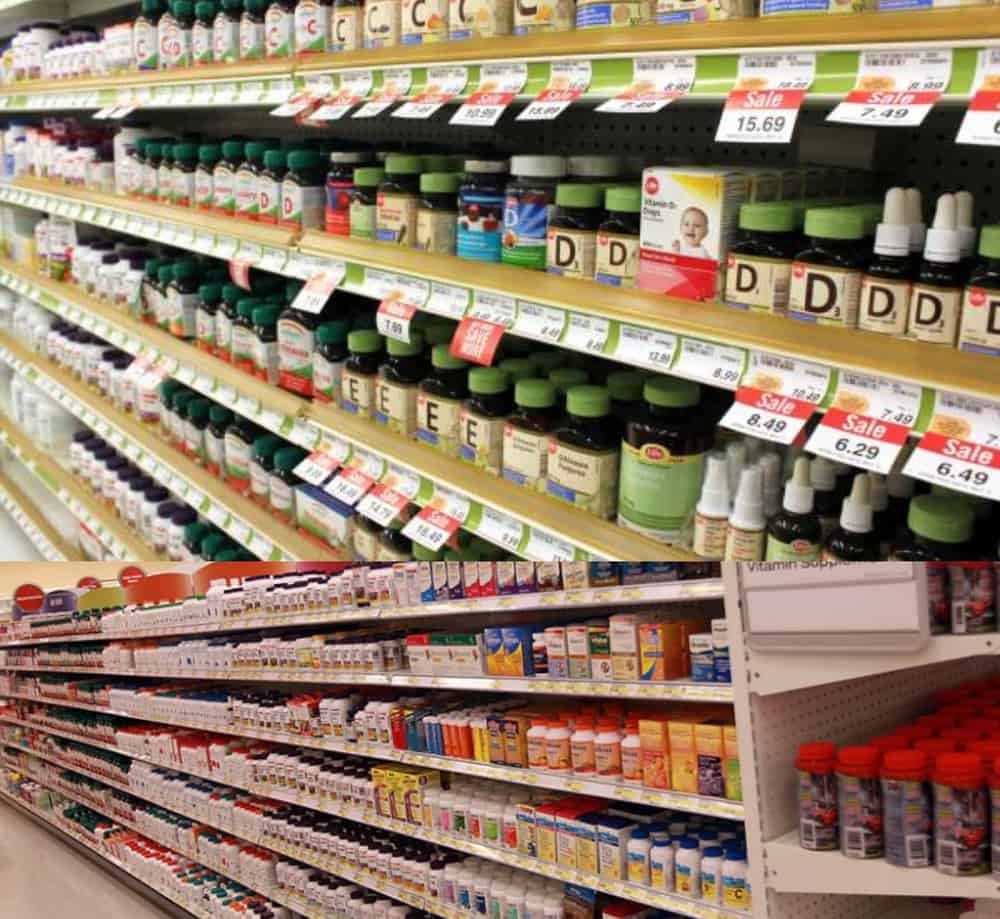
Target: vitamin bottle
747	522
818	800
224	176
617	256
794	533
759	266
711	519
564	378
225	316
583	453
303	191
663	455
205	12
246	182
526	433
226	32
888	281
859	795
437	211
581	747
219	418
980	325
261	463
178	50
165	172
239	440
608	749
204	190
517	368
357	389
826	501
328	360
397	202
279	29
965	206
312	26
182	299
252	30
529	196
393	546
637	855
439	401
661	865
479	19
571	247
283	482
534	16
241	338
938	529
481	207
194	429
151	171
735	883
907	808
145	35
937	294
381	23
423	22
687	868
397	385
855	539
537	757
557	753
209	298
826	277
364	200
347	26
265	342
340	189
268	183
625	389
483	417
296	346
631	754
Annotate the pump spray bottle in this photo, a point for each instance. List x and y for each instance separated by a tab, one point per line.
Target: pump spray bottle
747	523
937	296
794	533
888	282
711	519
855	539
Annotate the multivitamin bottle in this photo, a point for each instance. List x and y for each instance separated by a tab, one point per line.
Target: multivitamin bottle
888	282
937	295
794	533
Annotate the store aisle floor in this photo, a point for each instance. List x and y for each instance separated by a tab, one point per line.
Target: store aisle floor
41	878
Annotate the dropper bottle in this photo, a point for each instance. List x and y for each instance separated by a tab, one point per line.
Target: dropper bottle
823	478
747	523
915	220
855	539
965	206
711	518
886	285
937	296
770	472
885	528
736	459
794	533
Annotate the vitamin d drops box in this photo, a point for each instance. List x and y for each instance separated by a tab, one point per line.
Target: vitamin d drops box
689	217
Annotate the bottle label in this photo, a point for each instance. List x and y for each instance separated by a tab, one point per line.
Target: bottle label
201	43
268	200
884	306
362	219
312	25
934	313
481	440
278	31
800	550
584	478
223	334
302	205
245	193
296	345
251	39
165	182
145	44
357	393
424	21
396	218
326	378
435	231
175	46
281	495
525	457
571	253
479	19
237	459
265	360
225	39
658	490
980	321
757	283
183	188
437	422
744	545
204	329
203	188
396	407
382	23
224	189
180	313
525	230
594	13
345	29
617	259
824	295
710	536
480	226
260	482
338	206
150	181
241	347
537	16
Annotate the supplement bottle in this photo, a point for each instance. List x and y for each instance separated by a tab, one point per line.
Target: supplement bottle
296	346
859	802
855	539
182	299
907	809
439	401
397	202
711	875
571	246
241	342
381	23
663	454
437	212
226	32
180	520
583	453
364	535
340	189
481	208
687	868
581	747
526	433
608	749
303	192
279	29
826	501
225	316
980	325
224	177
617	257
393	546
165	172
312	26
204	188
625	389
746	532
818	800
936	303
397	385
637	856
151	171
364	200
283	482
479	18
826	277
530	196
185	160
632	755
711	519
423	22
347	25
564	378
517	368
661	865
145	35
269	186
795	533
177	52
246	183
328	360
219	419
535	737
240	436
938	529
961	822
532	16
735	883
888	282
194	429
357	389
265	342
252	30
483	417
759	266
557	754
205	12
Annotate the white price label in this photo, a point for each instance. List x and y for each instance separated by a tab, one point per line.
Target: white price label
393	319
301	266
981	124
387	285
587	333
641	347
447	300
401	480
250	92
499	85
763	105
431	528
183	94
248	253
225	247
279	90
225	93
777	397
382	504
544	547
500	529
708	362
272	259
895	88
218	515
961	449
656	82
204	241
868	422
316	291
396	83
443	84
319	466
500	309
534	320
350	486
355	85
568	81
204	93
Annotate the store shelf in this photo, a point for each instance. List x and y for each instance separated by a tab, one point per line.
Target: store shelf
45	538
85	506
236	515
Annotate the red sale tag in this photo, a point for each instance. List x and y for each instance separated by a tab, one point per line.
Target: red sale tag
239	273
316	291
499	84
318	467
443	84
431	528
355	85
295	106
476	340
764	103
382	504
350	485
568	80
393	319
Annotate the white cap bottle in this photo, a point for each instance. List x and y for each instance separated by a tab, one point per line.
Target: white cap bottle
915	219
937	295
711	517
855	539
965	206
747	523
794	533
770	470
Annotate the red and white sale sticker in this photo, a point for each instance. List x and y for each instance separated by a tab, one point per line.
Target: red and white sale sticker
961	449
868	422
777	396
443	84
396	83
476	340
763	105
568	80
294	106
895	88
239	273
318	466
656	82
393	319
316	291
355	85
382	504
981	124
431	528
350	485
499	84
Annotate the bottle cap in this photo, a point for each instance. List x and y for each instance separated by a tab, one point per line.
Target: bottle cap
403	164
304	159
266	315
534	393
219	414
768	217
264	447
287	458
494	167
798	492
332	332
565	377
440	183
714	500
942	243
588	401
594	166
834	223
822	474
233	149
545	167
210	294
940	519
435	162
878	492
671	392
623	198
856	511
915	218
488	381
410	348
626	385
443	359
989	241
736	459
748	508
965	206
892	235
349	156
547	361
255	149
364	341
578	195
209	153
770	470
185	151
517	368
368	176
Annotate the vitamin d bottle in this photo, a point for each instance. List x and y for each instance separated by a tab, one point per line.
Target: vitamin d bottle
572	235
759	267
888	283
617	258
980	329
826	277
529	197
937	296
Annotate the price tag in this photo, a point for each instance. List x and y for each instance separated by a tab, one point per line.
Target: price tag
396	82
544	547
204	93
225	93
402	480
868	422
545	323
350	485
500	529
355	85
301	266
443	84
707	362
393	319
385	285
431	528
225	247
183	94
294	106
382	504
476	340
763	106
239	274
568	80
499	309
250	92
447	300
316	291
777	397
656	82
272	259
499	85
961	448
895	88
981	124
587	333
641	347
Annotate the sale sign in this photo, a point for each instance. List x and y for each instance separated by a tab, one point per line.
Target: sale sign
476	340
981	124
568	80
763	105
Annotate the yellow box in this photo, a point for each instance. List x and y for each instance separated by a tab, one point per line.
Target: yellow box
660	653
654	752
731	754
683	755
545	833
710	761
411	792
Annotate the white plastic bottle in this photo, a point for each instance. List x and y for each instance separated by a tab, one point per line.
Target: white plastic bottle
608	749
581	747
631	754
747	523
687	868
711	874
661	866
735	883
557	755
711	519
637	854
537	756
